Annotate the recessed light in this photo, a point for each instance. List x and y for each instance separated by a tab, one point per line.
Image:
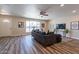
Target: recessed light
74	11
6	21
4	12
61	5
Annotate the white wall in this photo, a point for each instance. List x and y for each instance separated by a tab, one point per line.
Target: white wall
18	31
5	26
67	20
9	25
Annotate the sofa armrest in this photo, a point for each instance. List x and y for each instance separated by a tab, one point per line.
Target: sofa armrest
50	38
58	38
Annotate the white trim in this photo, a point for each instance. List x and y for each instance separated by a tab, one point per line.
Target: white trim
75	38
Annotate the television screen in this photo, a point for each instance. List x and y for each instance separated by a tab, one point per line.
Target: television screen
60	26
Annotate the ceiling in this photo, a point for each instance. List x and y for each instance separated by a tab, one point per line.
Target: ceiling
33	10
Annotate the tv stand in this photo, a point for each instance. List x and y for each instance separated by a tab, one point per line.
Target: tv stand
60	31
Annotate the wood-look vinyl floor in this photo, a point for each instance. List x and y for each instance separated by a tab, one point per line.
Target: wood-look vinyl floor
27	45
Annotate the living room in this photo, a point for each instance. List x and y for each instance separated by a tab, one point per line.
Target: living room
39	29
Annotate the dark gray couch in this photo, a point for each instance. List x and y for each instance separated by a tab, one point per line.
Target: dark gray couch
46	39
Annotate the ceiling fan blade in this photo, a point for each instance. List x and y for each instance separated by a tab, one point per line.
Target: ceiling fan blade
43	13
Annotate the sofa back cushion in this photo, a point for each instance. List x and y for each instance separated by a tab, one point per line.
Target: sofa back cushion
50	33
43	33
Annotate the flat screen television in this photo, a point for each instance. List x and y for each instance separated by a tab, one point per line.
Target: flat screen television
60	26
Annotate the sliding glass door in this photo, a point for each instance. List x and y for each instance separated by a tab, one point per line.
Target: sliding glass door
30	25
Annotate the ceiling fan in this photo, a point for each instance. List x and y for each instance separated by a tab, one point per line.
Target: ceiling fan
43	13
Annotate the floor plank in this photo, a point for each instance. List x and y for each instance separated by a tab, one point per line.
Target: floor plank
27	45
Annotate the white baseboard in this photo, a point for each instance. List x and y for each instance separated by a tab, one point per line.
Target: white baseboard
14	35
75	38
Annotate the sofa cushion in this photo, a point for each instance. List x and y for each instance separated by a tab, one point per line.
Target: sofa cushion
43	33
50	33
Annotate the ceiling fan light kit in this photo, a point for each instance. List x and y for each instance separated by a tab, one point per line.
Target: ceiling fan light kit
43	13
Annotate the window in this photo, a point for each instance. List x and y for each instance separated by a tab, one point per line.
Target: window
30	25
